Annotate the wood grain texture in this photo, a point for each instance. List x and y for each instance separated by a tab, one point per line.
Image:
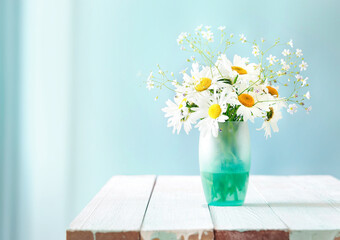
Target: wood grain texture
177	210
254	218
117	211
305	212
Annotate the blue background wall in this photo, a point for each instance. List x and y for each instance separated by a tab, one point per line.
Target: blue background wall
85	115
121	128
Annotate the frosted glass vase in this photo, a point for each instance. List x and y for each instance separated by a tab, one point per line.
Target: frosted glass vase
225	164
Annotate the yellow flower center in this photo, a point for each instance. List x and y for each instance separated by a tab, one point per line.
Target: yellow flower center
204	84
181	105
272	91
239	70
214	111
246	100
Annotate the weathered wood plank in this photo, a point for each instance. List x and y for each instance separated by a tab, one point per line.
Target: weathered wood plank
254	220
177	210
116	212
324	187
307	215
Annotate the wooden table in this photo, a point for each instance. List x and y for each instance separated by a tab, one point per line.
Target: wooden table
174	207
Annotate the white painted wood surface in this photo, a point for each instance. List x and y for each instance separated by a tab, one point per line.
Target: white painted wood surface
118	207
177	210
306	214
254	215
276	207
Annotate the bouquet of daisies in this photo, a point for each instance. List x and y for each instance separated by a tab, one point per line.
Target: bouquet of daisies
220	88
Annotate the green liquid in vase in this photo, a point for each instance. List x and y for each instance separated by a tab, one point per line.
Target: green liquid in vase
225	189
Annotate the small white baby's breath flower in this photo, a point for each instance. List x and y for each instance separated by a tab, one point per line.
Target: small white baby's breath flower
156	98
263	40
256	51
193	58
208	28
298	77
307	95
292	108
279	73
285	67
199	28
150	84
243	39
221	28
150	76
309	109
298	52
286	52
303	66
181	37
304	81
183	71
271	59
174	82
231	35
208	35
290	43
182	48
172	74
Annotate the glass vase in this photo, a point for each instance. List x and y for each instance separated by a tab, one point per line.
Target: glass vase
225	164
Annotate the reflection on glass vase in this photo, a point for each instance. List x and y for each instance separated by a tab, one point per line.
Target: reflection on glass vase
225	164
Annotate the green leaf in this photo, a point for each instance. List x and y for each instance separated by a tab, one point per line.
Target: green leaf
227	81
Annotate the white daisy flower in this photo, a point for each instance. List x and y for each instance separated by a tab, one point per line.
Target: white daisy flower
200	80
256	51
292	108
243	39
272	59
178	115
248	108
303	66
210	110
249	103
221	28
298	52
238	68
290	43
286	52
273	116
307	95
